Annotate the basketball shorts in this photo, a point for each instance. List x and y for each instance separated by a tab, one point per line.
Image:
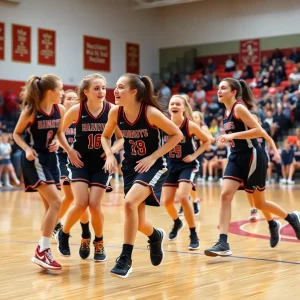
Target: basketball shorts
43	170
248	168
64	173
154	179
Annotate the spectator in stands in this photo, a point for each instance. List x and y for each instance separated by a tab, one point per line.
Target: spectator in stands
287	156
237	74
188	82
295	75
211	65
264	63
287	106
291	87
229	64
247	72
277	54
296	100
282	122
214	128
198	96
215	79
295	56
1	105
256	80
165	94
184	88
280	74
201	80
295	164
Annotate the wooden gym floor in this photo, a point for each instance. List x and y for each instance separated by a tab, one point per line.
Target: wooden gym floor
255	271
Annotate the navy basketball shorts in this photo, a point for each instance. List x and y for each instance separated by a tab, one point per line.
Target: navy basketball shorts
249	169
287	158
154	179
5	162
44	169
64	173
182	173
91	173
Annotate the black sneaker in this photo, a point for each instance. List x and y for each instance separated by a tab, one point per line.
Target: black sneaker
180	211
84	250
156	249
123	267
63	243
196	206
194	244
296	223
56	229
275	235
175	230
100	254
219	249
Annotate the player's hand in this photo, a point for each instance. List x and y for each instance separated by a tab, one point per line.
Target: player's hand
30	154
145	164
188	158
74	157
224	138
110	164
277	158
53	147
103	156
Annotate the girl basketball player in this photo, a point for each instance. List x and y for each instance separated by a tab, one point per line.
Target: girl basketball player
70	98
140	119
88	179
183	167
244	152
41	119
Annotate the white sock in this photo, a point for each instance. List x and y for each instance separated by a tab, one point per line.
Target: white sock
45	243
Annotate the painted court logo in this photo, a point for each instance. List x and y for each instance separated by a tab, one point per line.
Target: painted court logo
260	230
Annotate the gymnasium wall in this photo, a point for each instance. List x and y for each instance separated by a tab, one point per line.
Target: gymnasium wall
110	19
214	27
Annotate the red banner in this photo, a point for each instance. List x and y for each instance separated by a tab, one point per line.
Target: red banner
250	52
96	53
132	58
21	43
46	47
2	37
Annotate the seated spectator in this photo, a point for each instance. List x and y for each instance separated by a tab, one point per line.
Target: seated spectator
277	54
295	56
219	161
256	80
248	72
280	75
208	156
291	87
287	157
198	96
295	75
229	64
214	128
165	94
211	65
295	164
201	80
265	63
296	100
282	123
188	82
271	165
215	79
237	74
184	89
287	106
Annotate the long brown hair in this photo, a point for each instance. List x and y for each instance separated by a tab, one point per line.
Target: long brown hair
145	89
188	110
86	83
35	89
242	91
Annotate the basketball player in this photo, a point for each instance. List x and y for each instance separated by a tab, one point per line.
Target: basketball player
69	99
247	162
183	167
88	179
41	119
140	119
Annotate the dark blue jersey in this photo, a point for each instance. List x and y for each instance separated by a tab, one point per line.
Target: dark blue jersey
231	125
41	132
70	136
221	153
185	147
141	139
297	154
209	154
89	130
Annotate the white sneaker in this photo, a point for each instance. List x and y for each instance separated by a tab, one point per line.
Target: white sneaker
283	180
291	182
9	185
17	182
210	178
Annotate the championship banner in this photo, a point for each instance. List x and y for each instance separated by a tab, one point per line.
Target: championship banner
250	52
21	43
132	58
96	54
2	37
46	47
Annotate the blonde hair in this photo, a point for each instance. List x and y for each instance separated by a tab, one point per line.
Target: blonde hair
86	83
188	110
35	89
200	115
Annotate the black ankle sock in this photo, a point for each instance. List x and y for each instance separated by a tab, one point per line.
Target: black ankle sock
127	250
177	221
155	236
272	224
64	234
193	230
290	218
98	239
86	234
223	238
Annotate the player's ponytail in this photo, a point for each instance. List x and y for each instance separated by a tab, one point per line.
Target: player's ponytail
85	84
34	91
145	89
243	92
